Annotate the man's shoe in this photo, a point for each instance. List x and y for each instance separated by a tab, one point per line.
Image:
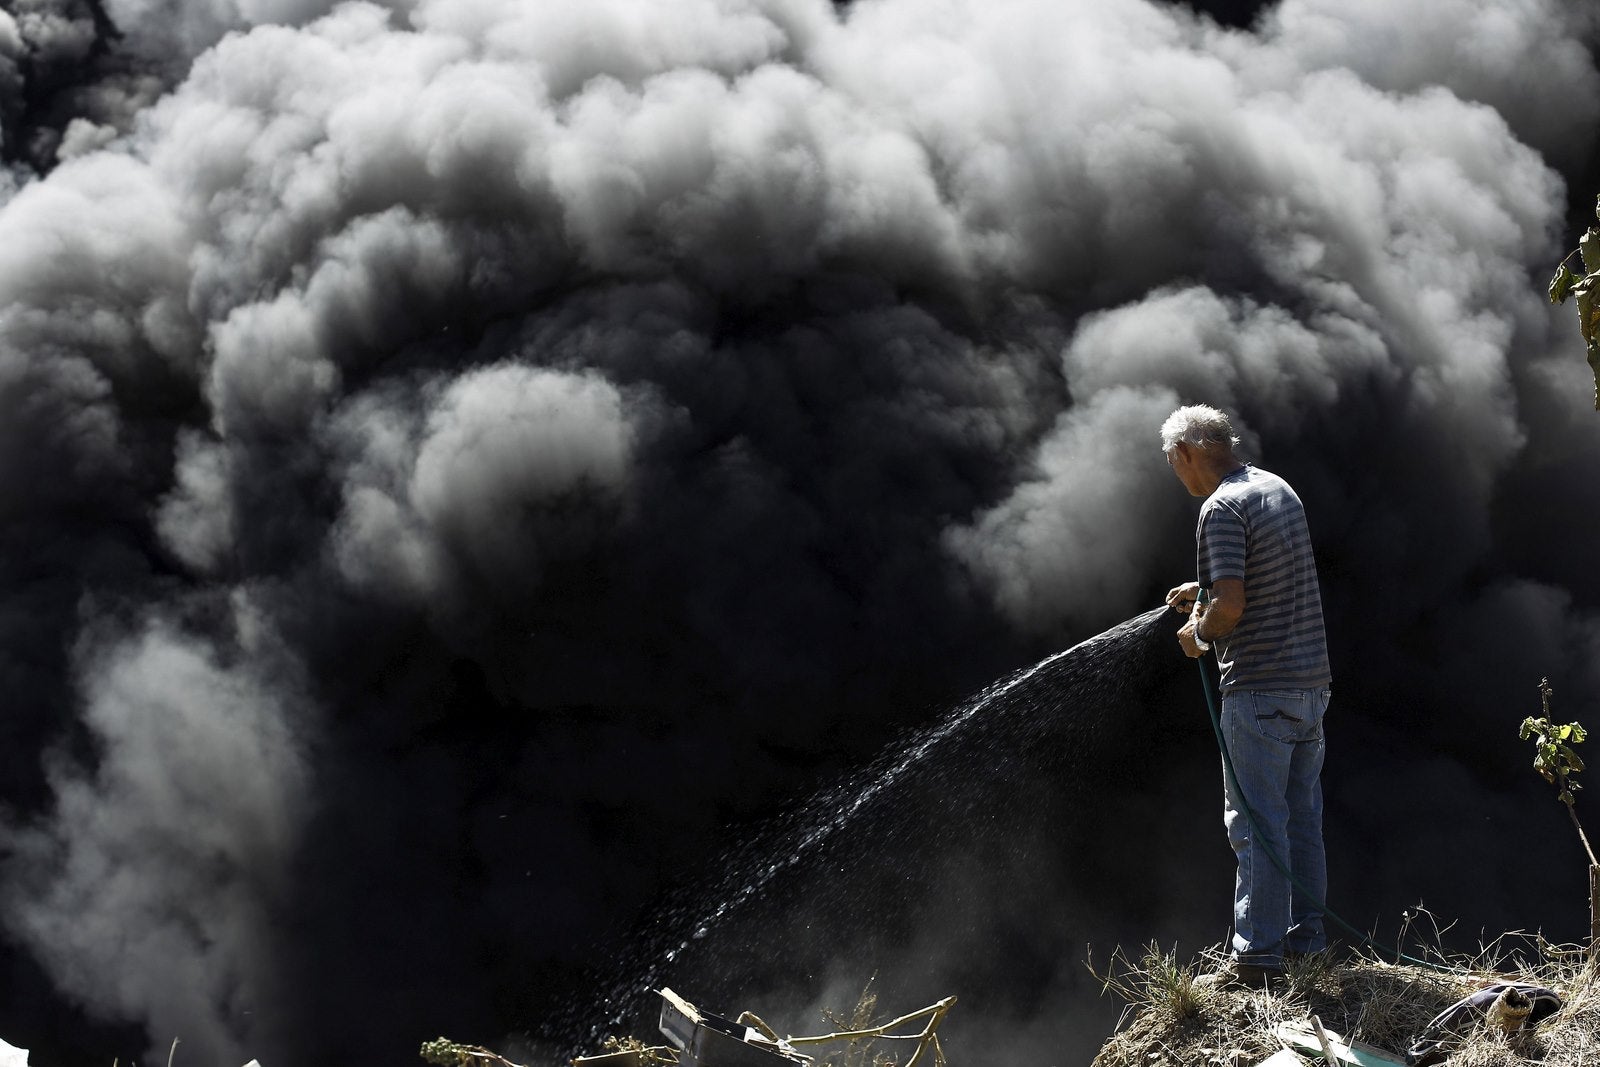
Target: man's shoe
1243	976
1252	976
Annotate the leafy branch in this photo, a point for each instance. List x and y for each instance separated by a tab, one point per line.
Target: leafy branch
1585	289
1555	758
446	1053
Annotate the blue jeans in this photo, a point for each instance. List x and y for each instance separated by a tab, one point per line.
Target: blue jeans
1274	737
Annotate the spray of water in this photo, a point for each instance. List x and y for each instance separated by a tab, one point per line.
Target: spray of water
1077	677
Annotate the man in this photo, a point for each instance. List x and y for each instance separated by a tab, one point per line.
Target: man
1264	620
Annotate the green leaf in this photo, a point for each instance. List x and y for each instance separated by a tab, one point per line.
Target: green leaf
1585	294
1561	285
1589	245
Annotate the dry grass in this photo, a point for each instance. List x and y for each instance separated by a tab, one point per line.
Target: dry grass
1172	1021
861	1052
1157	982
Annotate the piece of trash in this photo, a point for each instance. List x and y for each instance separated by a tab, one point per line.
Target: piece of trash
1323	1039
1507	1006
11	1056
1301	1035
1283	1058
707	1040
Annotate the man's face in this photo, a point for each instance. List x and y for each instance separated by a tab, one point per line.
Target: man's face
1184	462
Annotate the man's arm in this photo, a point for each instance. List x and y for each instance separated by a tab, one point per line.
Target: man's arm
1216	619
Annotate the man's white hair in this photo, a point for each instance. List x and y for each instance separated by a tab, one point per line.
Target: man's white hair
1199	425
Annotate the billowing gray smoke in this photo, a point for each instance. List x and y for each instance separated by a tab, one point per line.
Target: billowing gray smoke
434	436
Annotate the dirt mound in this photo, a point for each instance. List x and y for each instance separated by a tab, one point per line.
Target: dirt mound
1177	1019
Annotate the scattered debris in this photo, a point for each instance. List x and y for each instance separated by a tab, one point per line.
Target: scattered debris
927	1038
706	1040
701	1039
1323	1041
1336	1051
1284	1057
1508	1007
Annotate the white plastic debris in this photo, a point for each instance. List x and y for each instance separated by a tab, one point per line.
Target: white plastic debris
11	1056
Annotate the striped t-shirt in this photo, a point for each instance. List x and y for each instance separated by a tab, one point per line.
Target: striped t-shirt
1253	528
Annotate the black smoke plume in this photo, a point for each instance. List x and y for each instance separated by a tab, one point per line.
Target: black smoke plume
463	461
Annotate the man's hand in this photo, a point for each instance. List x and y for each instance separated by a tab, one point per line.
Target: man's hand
1186	639
1218	616
1182	597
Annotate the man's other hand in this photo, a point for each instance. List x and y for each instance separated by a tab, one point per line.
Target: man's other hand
1186	640
1182	597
